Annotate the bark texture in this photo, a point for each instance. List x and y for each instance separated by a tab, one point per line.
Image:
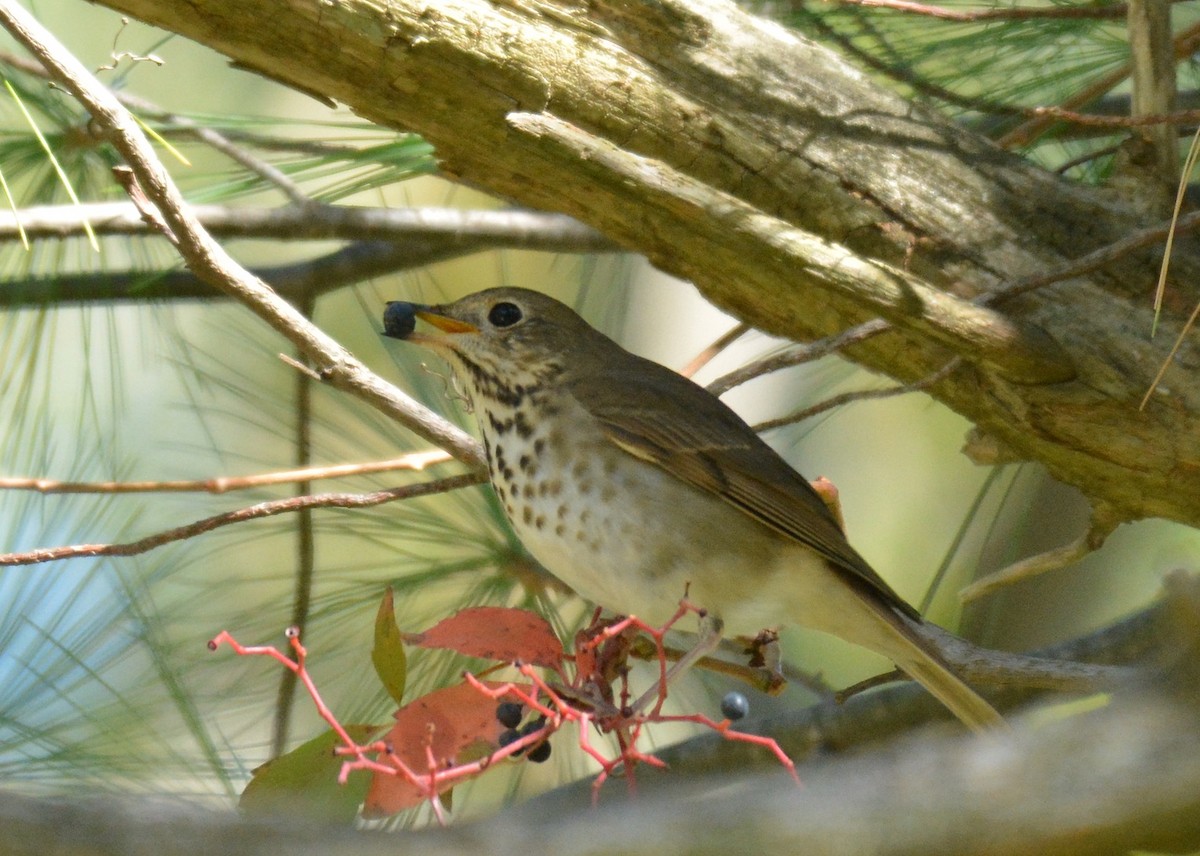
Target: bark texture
790	188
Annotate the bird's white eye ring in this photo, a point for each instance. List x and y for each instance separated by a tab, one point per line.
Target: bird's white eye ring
505	314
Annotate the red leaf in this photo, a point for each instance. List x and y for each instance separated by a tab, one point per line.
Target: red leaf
495	633
453	722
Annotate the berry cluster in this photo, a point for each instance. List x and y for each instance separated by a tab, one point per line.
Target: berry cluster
509	714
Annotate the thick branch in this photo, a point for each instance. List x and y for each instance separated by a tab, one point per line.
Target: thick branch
1121	778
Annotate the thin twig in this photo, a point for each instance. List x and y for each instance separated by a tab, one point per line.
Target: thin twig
1080	160
517	228
1014	13
145	208
1093	261
1025	134
861	395
799	354
1153	86
305	566
224	484
351	264
241	515
1097	120
1102	525
719	344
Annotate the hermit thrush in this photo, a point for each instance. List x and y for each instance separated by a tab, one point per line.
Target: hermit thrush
633	485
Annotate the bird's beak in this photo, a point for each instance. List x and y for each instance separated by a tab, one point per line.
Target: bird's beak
445	323
399	322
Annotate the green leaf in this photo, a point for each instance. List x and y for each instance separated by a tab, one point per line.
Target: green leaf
388	654
304	782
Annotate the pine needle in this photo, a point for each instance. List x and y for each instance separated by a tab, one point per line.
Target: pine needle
62	175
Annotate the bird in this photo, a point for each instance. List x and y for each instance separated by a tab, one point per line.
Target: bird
633	485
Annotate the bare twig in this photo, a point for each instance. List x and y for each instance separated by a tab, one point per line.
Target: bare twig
1099	120
305	541
1095	260
1102	525
516	228
224	484
351	264
1152	61
1007	13
146	210
241	515
719	344
861	395
798	355
1184	44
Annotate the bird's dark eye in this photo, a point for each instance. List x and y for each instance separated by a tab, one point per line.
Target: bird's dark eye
504	314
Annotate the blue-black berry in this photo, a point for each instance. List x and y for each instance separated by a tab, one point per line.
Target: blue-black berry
509	713
507	736
536	725
399	319
735	706
540	753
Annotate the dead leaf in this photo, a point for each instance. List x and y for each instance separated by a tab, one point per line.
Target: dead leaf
495	633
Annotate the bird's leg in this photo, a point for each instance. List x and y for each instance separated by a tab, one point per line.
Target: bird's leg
707	639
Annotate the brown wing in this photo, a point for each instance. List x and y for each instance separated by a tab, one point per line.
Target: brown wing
693	435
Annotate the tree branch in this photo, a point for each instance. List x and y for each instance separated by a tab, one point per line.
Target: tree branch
1023	355
1006	13
351	264
210	262
517	229
241	515
385	241
224	484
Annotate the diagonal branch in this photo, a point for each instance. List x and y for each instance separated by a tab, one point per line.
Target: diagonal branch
210	262
1022	354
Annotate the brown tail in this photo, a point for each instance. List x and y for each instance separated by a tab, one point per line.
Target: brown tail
920	659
